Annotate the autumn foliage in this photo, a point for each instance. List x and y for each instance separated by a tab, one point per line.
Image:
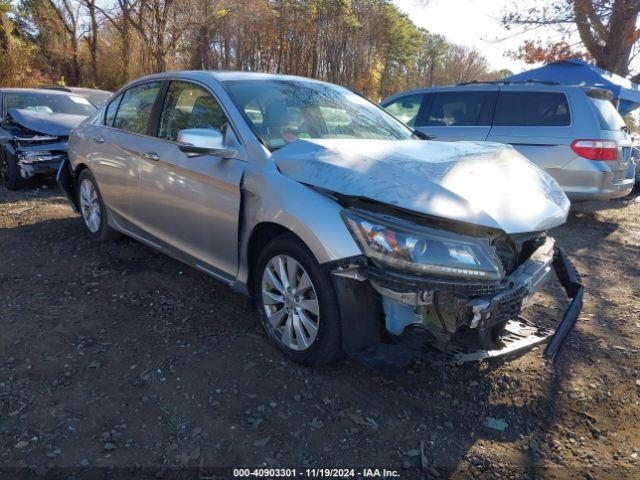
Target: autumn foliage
536	52
368	45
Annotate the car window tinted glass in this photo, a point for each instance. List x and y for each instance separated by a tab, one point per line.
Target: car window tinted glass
111	111
405	108
532	109
608	116
135	108
189	106
282	111
460	109
48	103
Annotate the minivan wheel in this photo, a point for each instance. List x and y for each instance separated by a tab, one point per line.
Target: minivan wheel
92	209
297	302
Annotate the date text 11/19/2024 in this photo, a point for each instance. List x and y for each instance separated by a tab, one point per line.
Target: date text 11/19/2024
315	473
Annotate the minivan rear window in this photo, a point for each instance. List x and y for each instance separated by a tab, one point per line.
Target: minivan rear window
608	116
532	109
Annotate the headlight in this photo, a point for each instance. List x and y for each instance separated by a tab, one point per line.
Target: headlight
424	250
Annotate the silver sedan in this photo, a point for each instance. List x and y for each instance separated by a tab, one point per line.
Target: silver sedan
351	232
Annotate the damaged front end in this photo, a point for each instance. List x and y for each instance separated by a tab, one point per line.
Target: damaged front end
34	153
40	155
458	288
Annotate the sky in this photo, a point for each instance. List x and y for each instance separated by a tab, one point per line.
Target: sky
473	23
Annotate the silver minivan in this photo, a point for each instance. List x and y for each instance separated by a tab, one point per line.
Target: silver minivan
351	232
573	133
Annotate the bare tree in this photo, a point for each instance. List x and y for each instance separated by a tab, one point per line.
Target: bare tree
606	28
92	38
119	16
69	15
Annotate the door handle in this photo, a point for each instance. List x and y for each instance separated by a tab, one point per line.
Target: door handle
98	139
154	157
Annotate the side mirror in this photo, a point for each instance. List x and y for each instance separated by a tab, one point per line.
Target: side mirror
204	141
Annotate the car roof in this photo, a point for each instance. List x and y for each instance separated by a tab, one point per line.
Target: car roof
222	76
78	90
37	90
492	86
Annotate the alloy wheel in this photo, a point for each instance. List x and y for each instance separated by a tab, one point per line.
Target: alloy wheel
290	302
90	205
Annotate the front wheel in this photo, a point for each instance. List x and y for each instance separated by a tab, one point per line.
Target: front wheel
93	209
10	171
297	302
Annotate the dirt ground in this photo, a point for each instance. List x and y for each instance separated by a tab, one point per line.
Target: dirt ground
118	361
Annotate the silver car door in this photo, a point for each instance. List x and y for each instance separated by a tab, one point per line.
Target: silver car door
192	204
458	115
115	148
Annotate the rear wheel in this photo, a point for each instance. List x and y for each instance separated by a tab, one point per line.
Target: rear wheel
93	209
297	302
10	171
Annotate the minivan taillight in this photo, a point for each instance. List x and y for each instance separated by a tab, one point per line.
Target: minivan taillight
596	149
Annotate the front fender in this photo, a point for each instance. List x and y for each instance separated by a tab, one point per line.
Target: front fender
270	197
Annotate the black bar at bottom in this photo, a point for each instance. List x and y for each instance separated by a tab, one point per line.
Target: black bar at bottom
65	181
572	284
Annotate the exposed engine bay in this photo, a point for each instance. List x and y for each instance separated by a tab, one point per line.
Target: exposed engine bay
465	319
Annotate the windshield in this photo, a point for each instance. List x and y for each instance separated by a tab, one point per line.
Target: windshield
282	111
609	117
48	103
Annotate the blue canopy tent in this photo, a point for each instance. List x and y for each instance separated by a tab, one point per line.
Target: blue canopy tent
578	72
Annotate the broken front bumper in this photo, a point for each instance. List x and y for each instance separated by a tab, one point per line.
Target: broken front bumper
36	159
482	308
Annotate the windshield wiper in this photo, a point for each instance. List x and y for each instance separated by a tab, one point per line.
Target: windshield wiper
422	135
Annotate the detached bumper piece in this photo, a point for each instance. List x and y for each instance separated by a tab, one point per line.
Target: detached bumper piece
572	284
463	323
66	182
518	337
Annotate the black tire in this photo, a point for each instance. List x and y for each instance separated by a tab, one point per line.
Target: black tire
327	344
104	232
10	171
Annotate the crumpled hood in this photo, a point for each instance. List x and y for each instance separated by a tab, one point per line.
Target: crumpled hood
57	124
480	183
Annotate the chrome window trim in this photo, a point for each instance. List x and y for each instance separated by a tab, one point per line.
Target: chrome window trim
169	79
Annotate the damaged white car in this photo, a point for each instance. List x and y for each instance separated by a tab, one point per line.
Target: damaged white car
351	233
34	127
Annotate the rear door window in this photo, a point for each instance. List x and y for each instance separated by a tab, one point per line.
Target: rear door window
134	112
461	109
608	116
406	108
532	109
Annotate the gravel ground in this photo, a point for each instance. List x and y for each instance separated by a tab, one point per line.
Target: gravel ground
118	361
